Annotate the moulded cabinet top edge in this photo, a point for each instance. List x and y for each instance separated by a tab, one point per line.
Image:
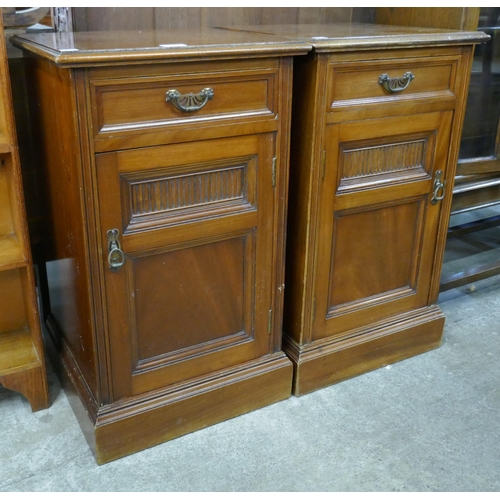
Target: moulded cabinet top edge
355	36
82	49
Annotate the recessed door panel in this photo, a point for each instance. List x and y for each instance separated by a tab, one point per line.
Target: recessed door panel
192	292
197	309
382	257
378	226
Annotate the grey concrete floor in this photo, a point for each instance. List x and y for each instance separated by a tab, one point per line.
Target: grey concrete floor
429	423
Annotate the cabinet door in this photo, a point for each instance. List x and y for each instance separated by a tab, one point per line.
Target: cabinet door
377	224
193	295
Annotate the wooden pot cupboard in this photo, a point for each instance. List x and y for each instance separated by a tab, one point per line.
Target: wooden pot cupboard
22	361
377	116
165	160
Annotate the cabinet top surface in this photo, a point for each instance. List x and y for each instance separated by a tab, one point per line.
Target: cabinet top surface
108	47
118	47
338	37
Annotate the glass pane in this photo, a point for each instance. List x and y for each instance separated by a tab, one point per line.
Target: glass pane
483	104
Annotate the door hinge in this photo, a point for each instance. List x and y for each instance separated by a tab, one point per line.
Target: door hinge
270	321
323	165
274	172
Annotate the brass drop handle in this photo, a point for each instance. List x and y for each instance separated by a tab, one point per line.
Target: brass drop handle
116	258
438	187
189	102
398	84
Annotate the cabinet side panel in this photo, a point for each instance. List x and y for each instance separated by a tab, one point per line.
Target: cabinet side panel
54	117
305	159
463	77
282	182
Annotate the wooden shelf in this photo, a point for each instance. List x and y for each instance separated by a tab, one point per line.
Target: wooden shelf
11	254
22	364
17	352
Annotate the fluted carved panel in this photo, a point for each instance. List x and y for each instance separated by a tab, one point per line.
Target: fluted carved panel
382	159
379	163
184	195
182	191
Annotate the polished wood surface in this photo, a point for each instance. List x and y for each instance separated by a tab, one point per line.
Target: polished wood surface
194	267
22	365
476	185
186	409
118	47
188	331
139	102
197	198
63	254
350	36
430	76
373	222
365	239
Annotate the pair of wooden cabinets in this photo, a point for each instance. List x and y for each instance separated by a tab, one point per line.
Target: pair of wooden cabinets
165	159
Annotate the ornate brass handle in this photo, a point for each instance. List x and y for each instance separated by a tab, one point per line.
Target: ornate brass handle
394	85
438	187
189	102
116	258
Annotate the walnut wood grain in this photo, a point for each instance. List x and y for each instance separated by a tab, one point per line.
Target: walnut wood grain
464	198
191	324
365	243
239	238
371	240
99	48
234	363
327	362
351	36
353	83
130	103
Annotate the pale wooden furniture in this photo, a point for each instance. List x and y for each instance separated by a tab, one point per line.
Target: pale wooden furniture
165	161
377	119
22	365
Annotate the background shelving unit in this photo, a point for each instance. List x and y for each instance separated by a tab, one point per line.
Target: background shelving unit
22	364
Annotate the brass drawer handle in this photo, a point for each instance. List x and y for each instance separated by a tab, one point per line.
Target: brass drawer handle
438	187
116	258
189	102
394	85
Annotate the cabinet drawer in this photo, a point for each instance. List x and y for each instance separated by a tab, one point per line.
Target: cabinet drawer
132	104
363	82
